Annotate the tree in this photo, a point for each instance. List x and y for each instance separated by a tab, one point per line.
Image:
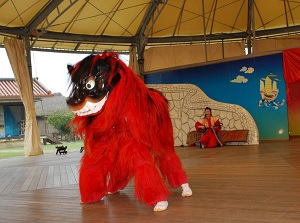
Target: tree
60	121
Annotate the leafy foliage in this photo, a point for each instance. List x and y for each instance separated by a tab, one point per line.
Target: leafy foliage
60	121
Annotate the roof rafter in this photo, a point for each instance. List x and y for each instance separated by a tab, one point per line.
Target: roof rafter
44	18
148	15
42	15
131	40
177	25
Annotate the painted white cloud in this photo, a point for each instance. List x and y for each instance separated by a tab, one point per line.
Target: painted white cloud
247	70
239	79
243	69
250	70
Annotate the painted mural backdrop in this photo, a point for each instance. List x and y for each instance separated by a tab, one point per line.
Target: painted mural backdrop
257	84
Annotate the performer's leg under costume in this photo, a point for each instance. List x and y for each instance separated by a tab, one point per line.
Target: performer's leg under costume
97	166
171	167
93	176
134	159
149	185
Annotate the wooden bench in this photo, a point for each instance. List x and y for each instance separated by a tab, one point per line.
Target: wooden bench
61	149
225	136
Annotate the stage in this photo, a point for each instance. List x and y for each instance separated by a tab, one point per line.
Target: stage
257	183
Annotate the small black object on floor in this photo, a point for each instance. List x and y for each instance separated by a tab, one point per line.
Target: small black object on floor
81	149
61	149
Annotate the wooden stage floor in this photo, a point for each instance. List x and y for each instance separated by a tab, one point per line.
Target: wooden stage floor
258	183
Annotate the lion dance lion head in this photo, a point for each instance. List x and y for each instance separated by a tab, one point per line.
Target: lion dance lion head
92	79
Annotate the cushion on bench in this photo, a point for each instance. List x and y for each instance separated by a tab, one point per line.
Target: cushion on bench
192	137
233	136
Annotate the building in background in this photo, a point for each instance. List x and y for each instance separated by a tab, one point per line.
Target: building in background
12	111
45	107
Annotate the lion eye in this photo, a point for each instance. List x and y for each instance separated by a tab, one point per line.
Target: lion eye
90	84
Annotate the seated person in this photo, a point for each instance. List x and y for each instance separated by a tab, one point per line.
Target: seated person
209	126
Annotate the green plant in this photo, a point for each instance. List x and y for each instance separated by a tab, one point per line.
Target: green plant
60	121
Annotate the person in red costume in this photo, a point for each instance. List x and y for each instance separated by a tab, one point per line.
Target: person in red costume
127	133
209	126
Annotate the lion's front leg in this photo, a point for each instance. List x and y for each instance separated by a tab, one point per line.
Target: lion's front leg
93	178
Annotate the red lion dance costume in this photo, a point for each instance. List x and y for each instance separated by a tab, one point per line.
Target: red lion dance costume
127	133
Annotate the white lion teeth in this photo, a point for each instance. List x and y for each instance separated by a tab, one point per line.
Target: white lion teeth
85	109
91	108
90	105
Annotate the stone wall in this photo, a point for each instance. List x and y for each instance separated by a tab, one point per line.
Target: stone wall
187	103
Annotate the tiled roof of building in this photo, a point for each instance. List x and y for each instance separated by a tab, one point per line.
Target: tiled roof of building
9	89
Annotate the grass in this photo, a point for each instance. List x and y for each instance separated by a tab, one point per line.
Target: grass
19	151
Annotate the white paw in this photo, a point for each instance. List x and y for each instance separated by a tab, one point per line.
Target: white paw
161	206
186	190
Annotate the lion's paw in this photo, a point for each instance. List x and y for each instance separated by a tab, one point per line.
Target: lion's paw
186	190
161	206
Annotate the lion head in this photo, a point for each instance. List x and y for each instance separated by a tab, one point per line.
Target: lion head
91	81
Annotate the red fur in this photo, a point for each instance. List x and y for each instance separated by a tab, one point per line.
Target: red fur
132	136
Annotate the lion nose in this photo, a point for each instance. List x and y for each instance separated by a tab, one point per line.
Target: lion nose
74	97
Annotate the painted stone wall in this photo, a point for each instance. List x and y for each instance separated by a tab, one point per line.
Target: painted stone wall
187	103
